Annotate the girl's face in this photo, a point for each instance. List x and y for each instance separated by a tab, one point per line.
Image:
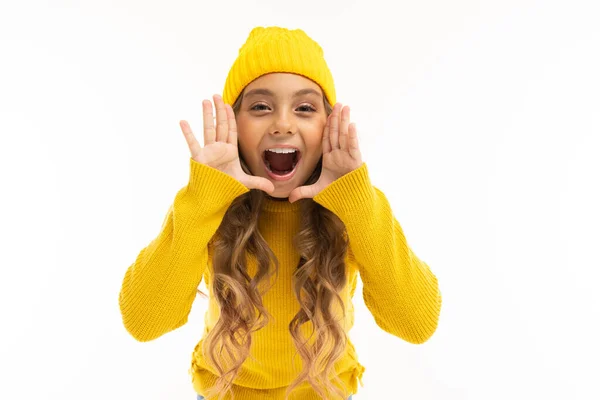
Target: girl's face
281	109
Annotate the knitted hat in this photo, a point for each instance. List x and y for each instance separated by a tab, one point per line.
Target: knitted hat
276	49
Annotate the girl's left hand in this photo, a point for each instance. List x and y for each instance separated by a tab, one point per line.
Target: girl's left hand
340	153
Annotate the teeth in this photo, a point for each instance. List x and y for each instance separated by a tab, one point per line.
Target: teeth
282	150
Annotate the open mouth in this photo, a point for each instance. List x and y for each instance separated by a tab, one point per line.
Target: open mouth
281	161
281	164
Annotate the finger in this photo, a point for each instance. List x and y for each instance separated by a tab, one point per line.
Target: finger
303	192
260	183
222	130
345	119
326	143
353	141
190	138
209	126
232	136
295	195
334	127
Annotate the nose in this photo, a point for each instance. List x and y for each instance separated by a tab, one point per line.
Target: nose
283	123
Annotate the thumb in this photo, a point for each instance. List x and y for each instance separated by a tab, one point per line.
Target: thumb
256	182
303	192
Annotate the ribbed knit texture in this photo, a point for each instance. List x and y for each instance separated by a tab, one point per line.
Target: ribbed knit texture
277	49
159	288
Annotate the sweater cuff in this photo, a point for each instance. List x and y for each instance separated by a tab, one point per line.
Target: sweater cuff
348	193
207	181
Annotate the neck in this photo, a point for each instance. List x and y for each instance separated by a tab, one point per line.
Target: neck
280	205
276	198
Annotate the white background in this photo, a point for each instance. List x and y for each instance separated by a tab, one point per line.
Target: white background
480	121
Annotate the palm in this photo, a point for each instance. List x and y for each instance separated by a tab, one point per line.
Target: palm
338	162
220	149
222	156
341	154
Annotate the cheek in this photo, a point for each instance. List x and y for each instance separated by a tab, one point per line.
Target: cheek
313	133
315	143
246	148
249	134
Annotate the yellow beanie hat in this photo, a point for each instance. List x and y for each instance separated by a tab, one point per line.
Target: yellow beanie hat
276	49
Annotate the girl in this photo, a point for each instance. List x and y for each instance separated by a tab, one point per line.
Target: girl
279	218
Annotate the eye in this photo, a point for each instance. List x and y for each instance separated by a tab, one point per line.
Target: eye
307	108
255	107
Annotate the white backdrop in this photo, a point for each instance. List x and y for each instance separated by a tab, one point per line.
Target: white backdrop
480	121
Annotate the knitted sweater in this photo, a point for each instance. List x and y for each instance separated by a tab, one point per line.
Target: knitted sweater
158	289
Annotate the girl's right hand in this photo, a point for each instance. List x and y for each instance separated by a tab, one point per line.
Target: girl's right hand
220	149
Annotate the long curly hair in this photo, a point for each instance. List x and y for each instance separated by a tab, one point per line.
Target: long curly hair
320	276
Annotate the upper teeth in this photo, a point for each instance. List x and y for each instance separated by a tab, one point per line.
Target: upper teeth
282	150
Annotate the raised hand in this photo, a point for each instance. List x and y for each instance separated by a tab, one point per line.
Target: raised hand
340	153
220	149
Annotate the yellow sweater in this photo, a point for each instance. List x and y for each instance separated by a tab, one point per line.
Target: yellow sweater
159	288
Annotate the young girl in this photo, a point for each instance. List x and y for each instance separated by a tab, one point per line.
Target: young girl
279	218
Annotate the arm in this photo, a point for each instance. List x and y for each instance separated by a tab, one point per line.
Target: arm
160	286
399	289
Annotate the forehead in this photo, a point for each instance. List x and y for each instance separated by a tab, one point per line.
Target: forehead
282	84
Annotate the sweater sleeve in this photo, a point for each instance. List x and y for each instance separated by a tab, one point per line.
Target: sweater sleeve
158	289
399	289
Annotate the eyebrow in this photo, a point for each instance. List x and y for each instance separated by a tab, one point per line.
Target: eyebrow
268	92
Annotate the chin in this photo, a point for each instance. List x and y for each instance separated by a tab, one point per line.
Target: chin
280	193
